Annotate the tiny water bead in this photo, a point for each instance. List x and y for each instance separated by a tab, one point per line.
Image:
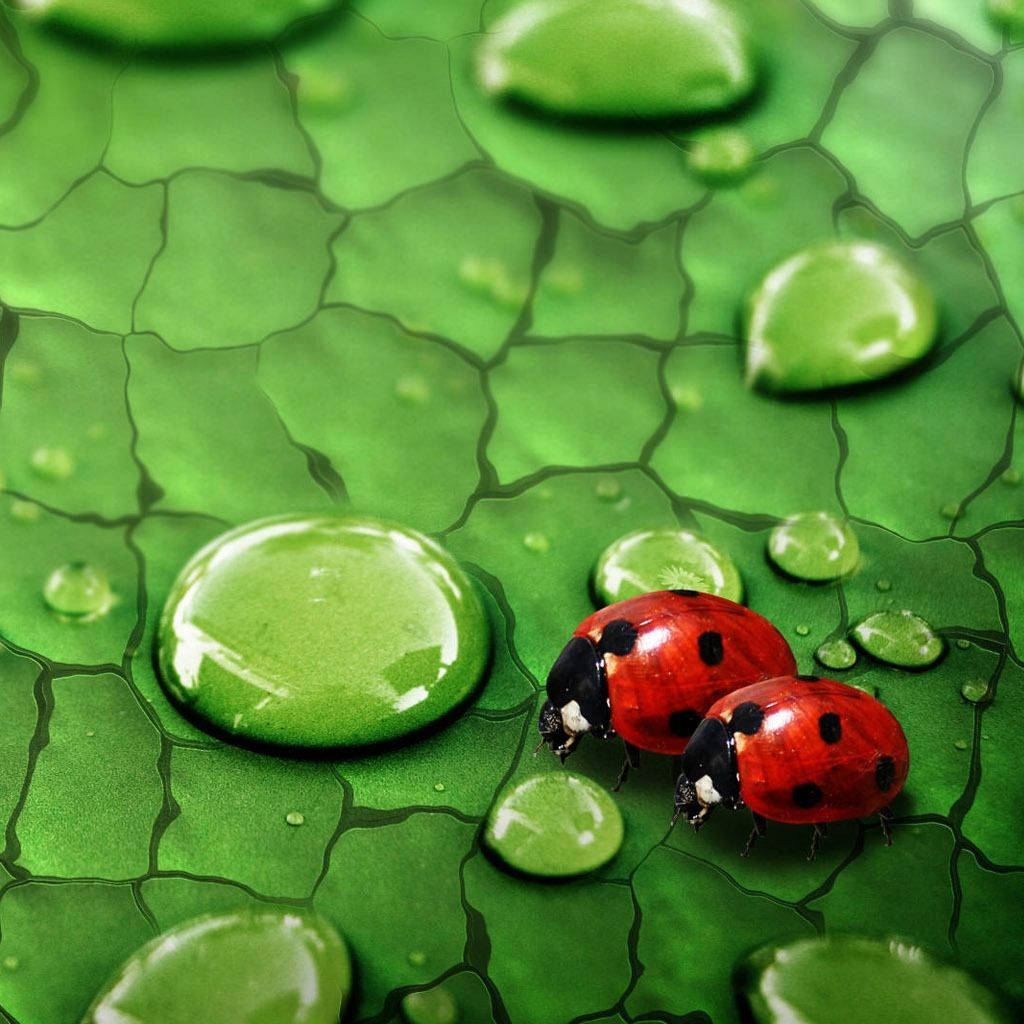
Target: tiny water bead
803	630
609	490
322	632
963	644
536	542
814	546
295	818
837	314
883	585
78	591
439	787
807	979
721	156
417	958
976	691
618	58
899	638
10	963
950	510
52	463
430	1006
664	559
836	655
554	825
279	965
492	277
1011	476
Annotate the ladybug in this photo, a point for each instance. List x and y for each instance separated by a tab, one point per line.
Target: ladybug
648	668
800	750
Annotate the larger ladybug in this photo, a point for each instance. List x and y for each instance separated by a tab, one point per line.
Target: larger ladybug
800	750
648	668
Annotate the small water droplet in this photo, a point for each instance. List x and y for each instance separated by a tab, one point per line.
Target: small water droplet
899	638
686	396
90	732
960	744
24	511
963	644
439	787
78	590
803	630
536	542
608	489
491	277
417	958
976	691
431	1006
412	389
950	510
836	654
52	463
814	546
11	963
883	585
1011	476
721	156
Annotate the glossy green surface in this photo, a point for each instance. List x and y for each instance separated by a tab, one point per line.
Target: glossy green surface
587	385
837	314
618	58
900	638
554	825
856	980
321	632
814	546
664	559
252	966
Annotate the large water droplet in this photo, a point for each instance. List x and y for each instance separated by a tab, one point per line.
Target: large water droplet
618	58
899	638
814	546
976	691
721	155
322	632
836	655
431	1006
78	591
664	559
554	825
807	979
837	314
241	966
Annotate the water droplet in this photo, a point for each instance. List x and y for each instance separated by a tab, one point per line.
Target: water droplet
24	511
976	691
78	591
217	968
266	632
431	1006
883	585
555	824
666	558
11	963
52	463
618	58
438	787
814	546
491	277
417	958
950	510
899	638
412	389
803	630
608	489
536	542
837	314
963	644
324	91
686	397
836	654
720	156
295	818
1007	13
1011	475
90	733
960	744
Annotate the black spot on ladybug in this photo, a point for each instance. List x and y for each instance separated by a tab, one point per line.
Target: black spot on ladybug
885	773
809	679
684	593
829	727
709	647
746	718
682	723
807	794
618	638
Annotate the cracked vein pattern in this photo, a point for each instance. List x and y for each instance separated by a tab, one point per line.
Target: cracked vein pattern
327	273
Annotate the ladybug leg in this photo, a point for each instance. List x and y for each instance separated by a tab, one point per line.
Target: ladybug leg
820	831
632	760
885	816
759	829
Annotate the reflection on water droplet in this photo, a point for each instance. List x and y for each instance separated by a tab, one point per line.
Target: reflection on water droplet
24	511
52	463
295	818
537	542
438	787
975	690
721	156
78	591
814	546
836	654
431	1006
899	638
608	489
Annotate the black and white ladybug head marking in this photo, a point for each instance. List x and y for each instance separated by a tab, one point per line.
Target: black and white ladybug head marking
709	776
577	689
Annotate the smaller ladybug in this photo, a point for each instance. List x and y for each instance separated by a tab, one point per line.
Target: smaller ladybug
647	669
799	750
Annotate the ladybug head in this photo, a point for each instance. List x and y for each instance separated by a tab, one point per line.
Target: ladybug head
577	697
709	775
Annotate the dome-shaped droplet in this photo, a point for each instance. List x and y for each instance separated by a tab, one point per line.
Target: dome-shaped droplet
814	546
78	590
899	638
837	314
322	632
721	155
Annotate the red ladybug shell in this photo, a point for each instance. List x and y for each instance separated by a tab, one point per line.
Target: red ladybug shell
813	750
690	649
